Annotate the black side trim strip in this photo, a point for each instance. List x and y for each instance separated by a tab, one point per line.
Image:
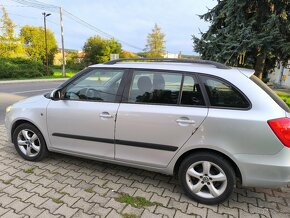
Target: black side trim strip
86	138
147	145
121	142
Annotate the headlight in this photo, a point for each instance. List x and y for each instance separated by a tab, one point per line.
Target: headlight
8	109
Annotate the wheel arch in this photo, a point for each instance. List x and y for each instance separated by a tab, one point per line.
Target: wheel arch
18	123
192	151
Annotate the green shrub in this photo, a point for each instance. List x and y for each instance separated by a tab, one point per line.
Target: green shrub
74	65
21	68
285	98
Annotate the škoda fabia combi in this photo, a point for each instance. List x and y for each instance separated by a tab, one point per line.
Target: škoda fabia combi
203	121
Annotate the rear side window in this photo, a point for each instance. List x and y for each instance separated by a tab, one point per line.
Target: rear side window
191	93
224	94
168	88
155	87
270	92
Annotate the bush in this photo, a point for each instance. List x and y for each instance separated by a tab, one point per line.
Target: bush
74	65
21	68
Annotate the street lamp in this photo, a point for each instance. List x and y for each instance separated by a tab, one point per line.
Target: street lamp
45	38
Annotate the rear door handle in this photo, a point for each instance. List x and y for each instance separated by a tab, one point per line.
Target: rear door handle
106	115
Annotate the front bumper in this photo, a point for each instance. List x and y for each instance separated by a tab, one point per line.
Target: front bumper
8	127
265	170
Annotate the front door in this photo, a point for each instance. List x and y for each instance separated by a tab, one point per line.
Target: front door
83	121
161	113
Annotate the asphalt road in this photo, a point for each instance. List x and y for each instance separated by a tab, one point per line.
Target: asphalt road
13	92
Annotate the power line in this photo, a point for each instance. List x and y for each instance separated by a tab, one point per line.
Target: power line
53	8
37	4
17	6
29	17
86	24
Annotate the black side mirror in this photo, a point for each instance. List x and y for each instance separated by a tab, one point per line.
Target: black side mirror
55	95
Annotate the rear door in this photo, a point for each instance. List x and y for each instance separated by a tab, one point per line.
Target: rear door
161	112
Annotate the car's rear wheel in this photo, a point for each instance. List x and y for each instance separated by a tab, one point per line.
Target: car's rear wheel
29	142
207	178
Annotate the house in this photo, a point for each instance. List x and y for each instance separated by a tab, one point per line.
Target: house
280	77
58	57
79	56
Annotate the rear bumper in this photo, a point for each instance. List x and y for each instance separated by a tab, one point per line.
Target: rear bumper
265	170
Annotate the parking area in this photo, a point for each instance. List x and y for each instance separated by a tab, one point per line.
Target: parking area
64	186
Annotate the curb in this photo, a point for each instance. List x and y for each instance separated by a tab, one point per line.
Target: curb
32	80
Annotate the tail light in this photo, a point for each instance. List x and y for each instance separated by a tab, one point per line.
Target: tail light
281	127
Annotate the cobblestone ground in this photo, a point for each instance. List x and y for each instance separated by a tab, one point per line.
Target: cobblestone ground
63	186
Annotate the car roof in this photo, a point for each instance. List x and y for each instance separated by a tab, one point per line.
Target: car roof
175	66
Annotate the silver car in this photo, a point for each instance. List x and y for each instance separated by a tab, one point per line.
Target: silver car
207	123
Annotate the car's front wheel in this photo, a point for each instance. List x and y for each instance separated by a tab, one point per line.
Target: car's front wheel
207	178
29	142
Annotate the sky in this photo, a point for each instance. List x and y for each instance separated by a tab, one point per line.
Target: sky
129	21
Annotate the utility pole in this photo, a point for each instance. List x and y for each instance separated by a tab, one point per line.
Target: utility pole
62	42
45	38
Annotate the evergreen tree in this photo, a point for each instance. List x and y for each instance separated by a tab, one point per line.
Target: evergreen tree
155	47
10	46
247	33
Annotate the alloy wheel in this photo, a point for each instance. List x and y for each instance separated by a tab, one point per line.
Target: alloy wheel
28	142
206	179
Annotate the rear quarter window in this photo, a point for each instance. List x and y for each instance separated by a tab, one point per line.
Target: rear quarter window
270	92
223	94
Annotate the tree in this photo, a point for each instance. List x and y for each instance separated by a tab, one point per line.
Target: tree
10	46
74	60
98	50
155	47
35	43
128	54
247	33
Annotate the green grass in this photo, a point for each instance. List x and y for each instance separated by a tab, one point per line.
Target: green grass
57	200
137	202
8	181
285	97
129	215
64	193
89	190
29	170
57	74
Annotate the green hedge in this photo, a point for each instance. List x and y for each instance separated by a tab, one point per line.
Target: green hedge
21	68
72	64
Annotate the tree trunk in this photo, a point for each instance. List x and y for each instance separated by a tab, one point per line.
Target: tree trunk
260	64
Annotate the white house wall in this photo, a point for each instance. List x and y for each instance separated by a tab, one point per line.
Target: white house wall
275	76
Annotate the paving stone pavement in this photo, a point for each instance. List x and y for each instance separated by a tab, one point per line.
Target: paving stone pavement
64	186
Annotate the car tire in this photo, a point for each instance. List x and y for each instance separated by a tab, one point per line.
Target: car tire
207	178
29	142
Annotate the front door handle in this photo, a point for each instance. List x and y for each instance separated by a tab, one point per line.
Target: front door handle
185	121
106	115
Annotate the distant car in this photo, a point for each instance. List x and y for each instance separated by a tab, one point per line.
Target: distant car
208	123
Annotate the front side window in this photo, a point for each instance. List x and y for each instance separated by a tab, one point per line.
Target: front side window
96	85
223	94
155	87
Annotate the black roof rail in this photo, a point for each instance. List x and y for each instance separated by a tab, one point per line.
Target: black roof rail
170	60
